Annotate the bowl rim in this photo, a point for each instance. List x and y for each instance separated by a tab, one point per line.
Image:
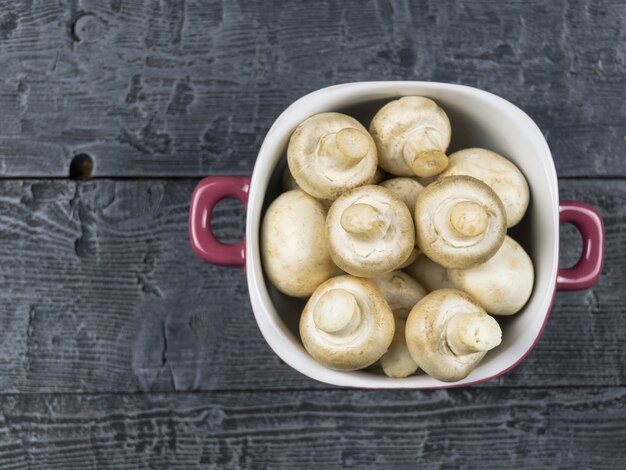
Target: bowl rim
275	332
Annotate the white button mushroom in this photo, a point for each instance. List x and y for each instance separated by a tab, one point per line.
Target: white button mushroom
503	284
448	334
401	292
378	176
500	174
429	274
370	231
294	247
412	257
397	361
330	153
346	324
412	135
406	189
460	222
287	181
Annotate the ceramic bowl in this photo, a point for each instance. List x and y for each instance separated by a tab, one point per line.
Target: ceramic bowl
479	119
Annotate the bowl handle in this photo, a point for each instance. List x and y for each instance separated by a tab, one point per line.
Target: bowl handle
587	270
205	196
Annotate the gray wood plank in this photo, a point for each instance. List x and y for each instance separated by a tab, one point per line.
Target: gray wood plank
100	292
190	88
468	429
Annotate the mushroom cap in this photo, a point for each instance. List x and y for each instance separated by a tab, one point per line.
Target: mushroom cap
287	182
346	324
460	222
412	257
448	333
400	290
370	231
397	361
408	127
294	248
330	153
406	189
503	284
378	176
429	274
497	172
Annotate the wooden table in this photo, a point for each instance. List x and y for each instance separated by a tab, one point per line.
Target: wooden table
120	349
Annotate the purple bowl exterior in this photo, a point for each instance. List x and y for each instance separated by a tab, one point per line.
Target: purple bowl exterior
205	196
588	269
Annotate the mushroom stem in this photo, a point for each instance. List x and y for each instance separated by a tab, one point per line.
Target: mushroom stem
335	311
429	163
469	219
363	220
352	143
422	152
347	147
473	332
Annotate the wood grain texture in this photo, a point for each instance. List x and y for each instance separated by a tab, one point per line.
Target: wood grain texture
189	88
101	296
469	429
102	293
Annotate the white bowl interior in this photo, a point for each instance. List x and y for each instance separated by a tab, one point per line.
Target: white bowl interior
478	119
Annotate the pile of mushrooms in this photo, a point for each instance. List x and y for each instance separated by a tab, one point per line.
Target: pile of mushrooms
399	275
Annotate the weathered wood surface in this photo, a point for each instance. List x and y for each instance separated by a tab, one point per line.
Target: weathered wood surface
190	88
102	293
101	296
469	429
